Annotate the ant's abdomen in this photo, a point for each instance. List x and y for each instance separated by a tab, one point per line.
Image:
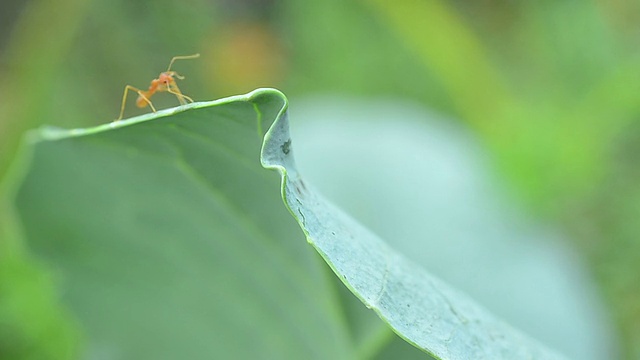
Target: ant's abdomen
142	101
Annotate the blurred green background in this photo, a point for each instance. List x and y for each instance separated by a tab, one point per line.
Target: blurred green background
550	87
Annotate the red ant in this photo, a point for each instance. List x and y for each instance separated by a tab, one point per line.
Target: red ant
165	82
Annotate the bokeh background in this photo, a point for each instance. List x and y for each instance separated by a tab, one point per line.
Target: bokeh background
550	89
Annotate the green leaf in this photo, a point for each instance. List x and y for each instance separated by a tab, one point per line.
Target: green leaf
171	242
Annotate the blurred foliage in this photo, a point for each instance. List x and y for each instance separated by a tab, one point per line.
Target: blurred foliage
550	86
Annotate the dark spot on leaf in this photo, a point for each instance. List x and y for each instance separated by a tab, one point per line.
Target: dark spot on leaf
286	147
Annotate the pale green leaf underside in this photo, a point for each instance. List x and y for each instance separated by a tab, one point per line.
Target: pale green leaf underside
187	184
419	307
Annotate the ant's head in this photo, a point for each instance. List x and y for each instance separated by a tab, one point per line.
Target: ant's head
170	75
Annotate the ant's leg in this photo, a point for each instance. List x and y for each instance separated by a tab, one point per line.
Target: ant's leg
124	99
176	91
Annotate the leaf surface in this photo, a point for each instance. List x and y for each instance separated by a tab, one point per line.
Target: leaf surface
170	240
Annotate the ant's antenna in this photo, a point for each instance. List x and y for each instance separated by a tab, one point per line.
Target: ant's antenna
181	58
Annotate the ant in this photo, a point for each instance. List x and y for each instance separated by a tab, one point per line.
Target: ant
165	82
